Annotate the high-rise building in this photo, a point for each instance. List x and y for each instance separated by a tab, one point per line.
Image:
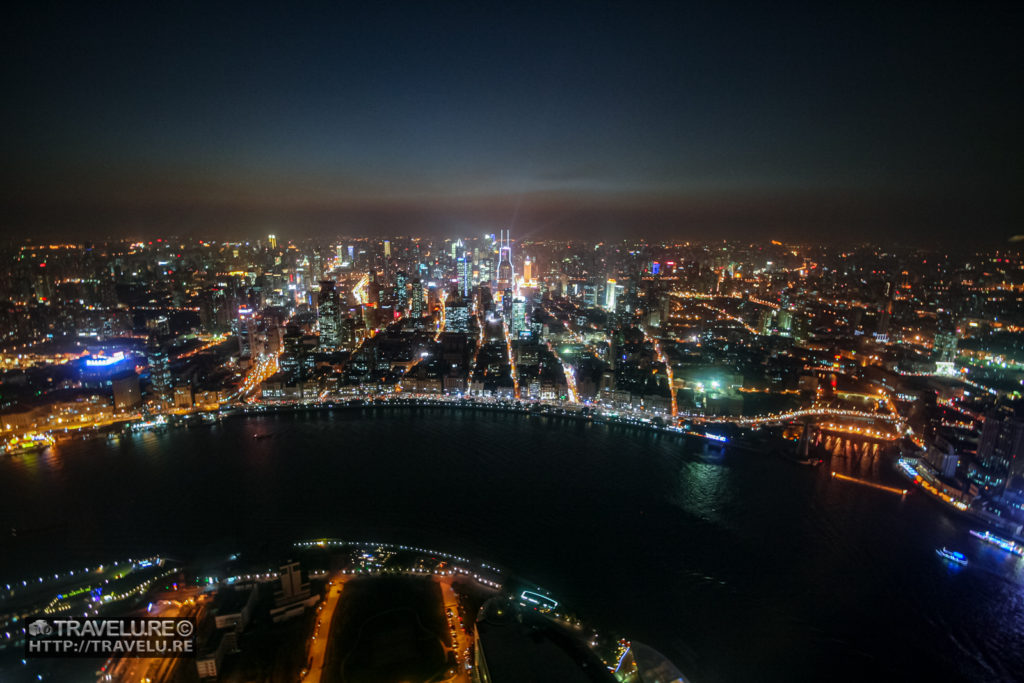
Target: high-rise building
802	326
609	295
944	351
272	241
401	295
519	323
240	327
456	316
159	371
944	348
292	585
1000	449
785	320
506	273
463	272
884	319
296	361
294	596
329	314
416	302
506	305
386	258
528	272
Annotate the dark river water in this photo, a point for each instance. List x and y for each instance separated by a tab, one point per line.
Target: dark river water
739	568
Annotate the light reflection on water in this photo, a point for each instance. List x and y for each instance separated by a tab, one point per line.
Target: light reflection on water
739	567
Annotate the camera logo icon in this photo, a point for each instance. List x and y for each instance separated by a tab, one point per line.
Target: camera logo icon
40	627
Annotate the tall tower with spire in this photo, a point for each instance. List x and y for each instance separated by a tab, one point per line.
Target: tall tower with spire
506	274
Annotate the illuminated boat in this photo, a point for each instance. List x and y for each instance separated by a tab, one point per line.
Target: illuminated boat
1006	544
28	444
158	423
952	556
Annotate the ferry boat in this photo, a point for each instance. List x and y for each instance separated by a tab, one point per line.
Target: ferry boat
28	444
1006	544
952	556
158	423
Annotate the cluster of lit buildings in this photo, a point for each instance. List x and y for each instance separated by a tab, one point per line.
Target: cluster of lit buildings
97	333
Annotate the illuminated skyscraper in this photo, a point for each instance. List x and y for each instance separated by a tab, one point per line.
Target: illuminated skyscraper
240	326
159	371
416	303
401	295
463	270
944	350
272	241
296	361
519	324
506	273
1000	449
785	320
609	295
457	315
329	314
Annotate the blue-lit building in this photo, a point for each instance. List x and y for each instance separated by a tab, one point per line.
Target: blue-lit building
97	371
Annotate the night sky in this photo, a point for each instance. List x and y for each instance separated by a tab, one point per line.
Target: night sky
692	120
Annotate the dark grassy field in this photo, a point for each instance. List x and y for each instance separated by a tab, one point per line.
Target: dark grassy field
388	629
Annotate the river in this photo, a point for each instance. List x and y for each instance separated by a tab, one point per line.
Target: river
739	567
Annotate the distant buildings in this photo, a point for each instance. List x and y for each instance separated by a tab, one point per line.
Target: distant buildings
1000	449
653	329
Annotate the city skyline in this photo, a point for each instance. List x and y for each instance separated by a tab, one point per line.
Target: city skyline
427	342
709	401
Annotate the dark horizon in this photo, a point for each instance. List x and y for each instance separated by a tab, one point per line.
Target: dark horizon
841	225
866	122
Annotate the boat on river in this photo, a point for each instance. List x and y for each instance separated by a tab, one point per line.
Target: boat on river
28	444
1004	543
953	556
